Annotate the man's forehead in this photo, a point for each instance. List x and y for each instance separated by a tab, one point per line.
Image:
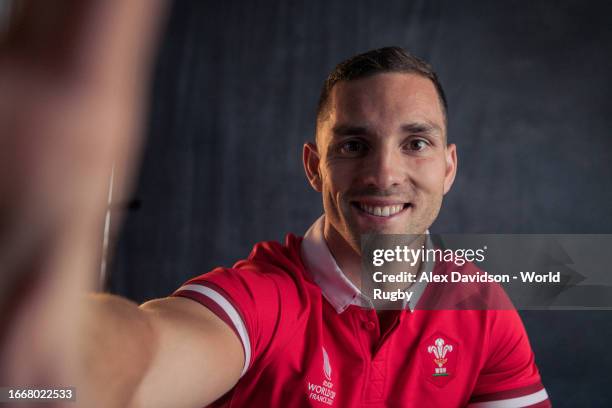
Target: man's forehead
385	99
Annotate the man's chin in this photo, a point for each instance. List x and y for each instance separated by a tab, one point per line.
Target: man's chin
403	229
382	228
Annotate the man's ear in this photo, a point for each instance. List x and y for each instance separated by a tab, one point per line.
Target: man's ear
311	160
451	167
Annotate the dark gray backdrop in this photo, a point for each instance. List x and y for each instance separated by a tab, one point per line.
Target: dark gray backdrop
234	97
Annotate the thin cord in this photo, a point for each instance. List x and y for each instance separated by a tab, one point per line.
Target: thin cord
107	222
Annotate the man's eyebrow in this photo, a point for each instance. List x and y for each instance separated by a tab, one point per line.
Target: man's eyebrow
352	130
422	128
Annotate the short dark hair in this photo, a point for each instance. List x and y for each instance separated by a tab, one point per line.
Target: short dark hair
378	61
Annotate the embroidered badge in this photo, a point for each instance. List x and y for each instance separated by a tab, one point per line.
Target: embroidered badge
439	358
439	350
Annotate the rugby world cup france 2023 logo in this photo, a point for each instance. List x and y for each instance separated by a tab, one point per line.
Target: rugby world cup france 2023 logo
439	359
323	392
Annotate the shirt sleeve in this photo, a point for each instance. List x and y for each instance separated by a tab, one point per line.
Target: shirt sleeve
249	301
509	377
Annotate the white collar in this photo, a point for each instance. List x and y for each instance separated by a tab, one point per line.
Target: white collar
339	291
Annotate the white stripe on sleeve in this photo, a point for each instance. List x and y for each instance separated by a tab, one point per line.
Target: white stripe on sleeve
517	402
233	315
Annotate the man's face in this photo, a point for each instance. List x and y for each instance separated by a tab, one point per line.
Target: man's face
381	161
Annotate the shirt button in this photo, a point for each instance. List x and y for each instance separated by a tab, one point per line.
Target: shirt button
370	325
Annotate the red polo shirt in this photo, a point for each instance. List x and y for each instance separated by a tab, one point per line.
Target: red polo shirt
310	340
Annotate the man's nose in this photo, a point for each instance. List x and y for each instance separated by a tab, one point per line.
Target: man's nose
383	170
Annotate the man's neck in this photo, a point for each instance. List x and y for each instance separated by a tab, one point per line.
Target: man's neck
347	257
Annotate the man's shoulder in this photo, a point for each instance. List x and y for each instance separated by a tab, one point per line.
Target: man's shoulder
273	255
270	266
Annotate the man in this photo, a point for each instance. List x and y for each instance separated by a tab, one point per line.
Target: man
382	164
288	326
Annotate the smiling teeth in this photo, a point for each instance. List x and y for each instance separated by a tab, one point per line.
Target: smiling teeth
382	211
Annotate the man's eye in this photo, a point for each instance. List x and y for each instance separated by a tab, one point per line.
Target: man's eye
417	145
352	147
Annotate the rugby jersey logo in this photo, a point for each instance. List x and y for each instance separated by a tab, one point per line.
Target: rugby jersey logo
323	391
439	355
439	350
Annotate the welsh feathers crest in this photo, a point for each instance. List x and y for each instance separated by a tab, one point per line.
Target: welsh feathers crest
439	355
439	350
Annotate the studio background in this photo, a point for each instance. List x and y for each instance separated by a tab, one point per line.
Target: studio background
233	100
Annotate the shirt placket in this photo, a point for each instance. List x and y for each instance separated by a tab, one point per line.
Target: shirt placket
376	367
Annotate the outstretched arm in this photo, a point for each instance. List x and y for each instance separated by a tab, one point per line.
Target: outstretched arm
73	81
167	352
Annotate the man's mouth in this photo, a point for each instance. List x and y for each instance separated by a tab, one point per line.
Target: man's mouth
388	210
